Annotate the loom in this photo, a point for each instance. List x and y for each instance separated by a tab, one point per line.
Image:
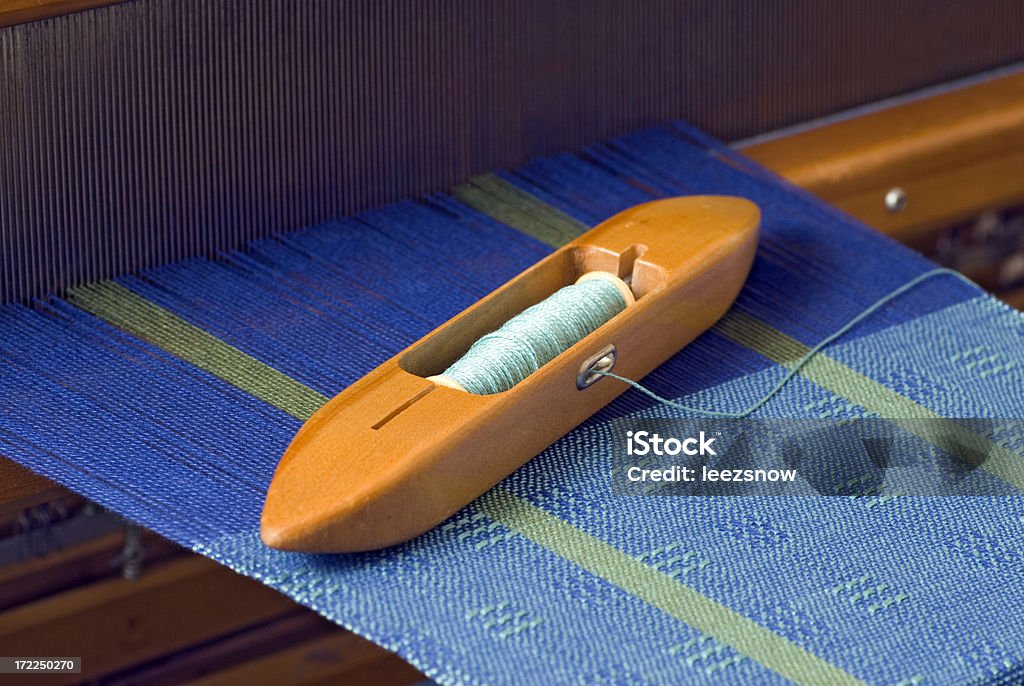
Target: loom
217	216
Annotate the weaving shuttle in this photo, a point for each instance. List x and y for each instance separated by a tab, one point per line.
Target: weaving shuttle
397	453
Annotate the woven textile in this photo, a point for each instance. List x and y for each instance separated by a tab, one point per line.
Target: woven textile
169	396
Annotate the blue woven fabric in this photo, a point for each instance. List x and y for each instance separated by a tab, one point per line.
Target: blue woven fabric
907	591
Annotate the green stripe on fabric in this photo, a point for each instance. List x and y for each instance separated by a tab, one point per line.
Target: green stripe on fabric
497	198
147	321
138	316
496	195
708	616
850	384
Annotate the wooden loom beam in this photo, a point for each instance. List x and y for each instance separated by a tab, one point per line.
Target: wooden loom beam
23	11
954	154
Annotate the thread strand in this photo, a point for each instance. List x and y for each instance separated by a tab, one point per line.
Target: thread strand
803	360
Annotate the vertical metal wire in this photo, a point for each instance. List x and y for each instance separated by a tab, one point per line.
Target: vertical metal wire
148	131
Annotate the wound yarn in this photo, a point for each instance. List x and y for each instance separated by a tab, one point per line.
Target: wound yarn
500	360
503	358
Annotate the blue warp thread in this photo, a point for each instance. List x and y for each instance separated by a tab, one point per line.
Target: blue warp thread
531	339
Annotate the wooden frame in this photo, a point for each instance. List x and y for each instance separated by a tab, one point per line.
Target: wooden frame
954	154
23	11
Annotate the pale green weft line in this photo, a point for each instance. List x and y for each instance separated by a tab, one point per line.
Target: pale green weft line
149	322
501	200
836	377
708	616
784	350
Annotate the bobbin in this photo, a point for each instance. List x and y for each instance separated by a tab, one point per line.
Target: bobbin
396	453
618	284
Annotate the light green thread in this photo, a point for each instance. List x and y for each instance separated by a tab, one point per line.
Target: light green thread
503	619
837	378
873	597
501	359
660	590
521	211
147	321
755	335
501	200
777	346
705	654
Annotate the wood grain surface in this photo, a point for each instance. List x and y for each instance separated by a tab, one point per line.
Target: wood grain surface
21	11
954	154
